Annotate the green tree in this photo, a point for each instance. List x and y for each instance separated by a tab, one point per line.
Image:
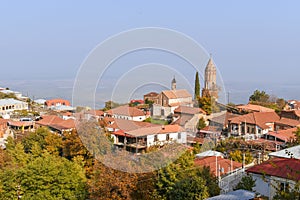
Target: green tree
52	177
247	183
237	155
180	177
259	96
189	188
197	86
201	123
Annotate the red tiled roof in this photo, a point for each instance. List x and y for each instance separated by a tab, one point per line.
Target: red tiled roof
288	168
125	125
155	130
221	163
289	122
254	108
126	111
56	122
257	118
151	94
175	94
19	123
95	112
189	110
52	102
285	135
49	119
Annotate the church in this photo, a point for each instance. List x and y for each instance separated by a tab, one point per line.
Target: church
168	100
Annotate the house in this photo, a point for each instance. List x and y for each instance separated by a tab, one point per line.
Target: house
218	165
126	112
57	102
188	117
287	135
151	97
93	114
169	100
286	123
291	114
140	139
18	95
256	123
20	126
279	173
221	120
8	106
253	108
292	152
235	195
293	105
56	124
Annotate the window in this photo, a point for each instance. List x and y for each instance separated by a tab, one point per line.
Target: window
179	136
155	138
167	137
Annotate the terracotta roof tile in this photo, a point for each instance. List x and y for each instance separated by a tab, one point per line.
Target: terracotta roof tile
189	110
258	118
221	162
289	122
53	102
126	111
279	167
285	135
174	94
254	108
155	130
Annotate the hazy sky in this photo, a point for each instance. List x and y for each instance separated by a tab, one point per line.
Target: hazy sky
251	42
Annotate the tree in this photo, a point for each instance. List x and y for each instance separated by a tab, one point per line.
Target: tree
259	96
201	123
197	86
108	183
237	155
247	183
181	178
189	188
39	175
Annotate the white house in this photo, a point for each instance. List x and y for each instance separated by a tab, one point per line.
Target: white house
126	112
7	106
141	138
279	173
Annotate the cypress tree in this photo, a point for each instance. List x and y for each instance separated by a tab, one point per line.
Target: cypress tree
197	86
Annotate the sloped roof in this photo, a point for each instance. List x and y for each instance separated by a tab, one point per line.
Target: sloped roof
155	130
284	135
175	94
209	153
125	125
95	112
289	122
56	122
189	110
151	94
126	111
20	123
280	167
255	108
258	118
235	195
10	101
293	152
224	164
55	101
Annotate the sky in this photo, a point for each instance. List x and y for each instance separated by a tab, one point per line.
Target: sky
255	44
